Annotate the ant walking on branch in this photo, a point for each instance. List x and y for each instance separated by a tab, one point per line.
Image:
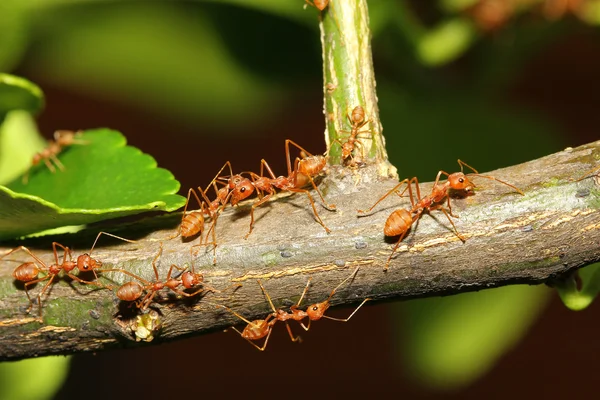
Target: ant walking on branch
132	291
262	328
29	272
400	221
305	169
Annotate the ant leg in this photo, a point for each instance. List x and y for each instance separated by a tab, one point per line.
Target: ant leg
312	203
111	235
462	163
66	250
330	207
292	337
25	249
33	283
123	271
385	195
402	236
154	262
57	162
267	296
255	205
49	165
498	180
592	172
461	237
287	153
353	312
39	296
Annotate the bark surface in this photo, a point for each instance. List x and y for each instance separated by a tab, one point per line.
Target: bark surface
511	239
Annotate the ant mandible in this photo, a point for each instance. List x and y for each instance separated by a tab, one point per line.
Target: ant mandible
28	272
400	221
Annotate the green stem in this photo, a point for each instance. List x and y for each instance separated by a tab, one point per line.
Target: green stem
349	80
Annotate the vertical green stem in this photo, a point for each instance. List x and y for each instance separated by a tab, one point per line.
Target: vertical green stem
350	80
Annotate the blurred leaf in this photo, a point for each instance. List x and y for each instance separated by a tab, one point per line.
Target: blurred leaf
19	94
579	299
454	6
33	379
458	125
102	179
449	342
14	26
160	55
446	42
590	12
19	141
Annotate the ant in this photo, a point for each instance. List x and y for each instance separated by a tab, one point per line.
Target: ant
260	328
301	175
192	223
400	221
62	138
318	4
133	291
28	272
357	121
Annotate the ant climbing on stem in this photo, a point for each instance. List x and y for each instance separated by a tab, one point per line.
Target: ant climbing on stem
318	4
262	328
305	169
133	291
357	121
62	139
29	272
400	221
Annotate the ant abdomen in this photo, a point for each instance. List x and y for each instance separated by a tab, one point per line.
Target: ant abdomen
26	272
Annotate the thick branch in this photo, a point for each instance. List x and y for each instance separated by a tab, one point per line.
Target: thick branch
511	239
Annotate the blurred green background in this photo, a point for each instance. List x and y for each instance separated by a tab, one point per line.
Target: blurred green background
195	83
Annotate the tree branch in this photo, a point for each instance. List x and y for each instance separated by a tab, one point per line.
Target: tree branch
511	239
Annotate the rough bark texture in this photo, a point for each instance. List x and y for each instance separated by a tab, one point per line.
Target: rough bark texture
511	239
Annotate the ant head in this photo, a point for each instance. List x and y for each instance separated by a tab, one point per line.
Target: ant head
241	191
459	181
190	279
316	311
85	262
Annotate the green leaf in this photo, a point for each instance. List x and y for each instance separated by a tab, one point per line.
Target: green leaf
33	379
19	141
446	42
579	299
103	179
451	341
19	94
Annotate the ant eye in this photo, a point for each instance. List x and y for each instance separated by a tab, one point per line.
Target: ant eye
243	189
315	308
461	180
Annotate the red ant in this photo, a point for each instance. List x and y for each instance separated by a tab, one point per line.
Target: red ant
305	169
28	272
400	221
260	328
62	139
318	4
132	291
192	223
357	121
